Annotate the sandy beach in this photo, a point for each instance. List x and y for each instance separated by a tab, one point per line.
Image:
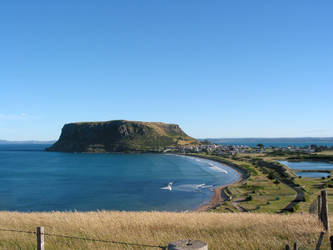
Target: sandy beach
217	197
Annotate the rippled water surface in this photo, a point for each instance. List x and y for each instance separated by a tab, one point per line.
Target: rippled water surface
34	180
310	165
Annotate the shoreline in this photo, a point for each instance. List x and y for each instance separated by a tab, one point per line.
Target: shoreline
217	198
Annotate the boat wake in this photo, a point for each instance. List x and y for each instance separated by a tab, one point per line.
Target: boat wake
213	166
187	187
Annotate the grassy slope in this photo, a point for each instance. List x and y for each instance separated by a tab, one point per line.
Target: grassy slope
219	230
120	136
312	186
266	196
269	197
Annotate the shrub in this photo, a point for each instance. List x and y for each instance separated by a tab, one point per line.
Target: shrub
249	198
270	176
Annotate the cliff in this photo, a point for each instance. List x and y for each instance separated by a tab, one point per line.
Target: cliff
120	136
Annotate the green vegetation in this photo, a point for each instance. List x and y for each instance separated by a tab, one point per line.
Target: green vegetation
311	186
120	136
271	187
259	191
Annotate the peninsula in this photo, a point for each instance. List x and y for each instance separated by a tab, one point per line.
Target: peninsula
121	136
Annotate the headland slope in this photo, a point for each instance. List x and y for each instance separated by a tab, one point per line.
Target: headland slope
120	136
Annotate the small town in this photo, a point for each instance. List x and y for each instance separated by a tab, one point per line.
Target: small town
227	150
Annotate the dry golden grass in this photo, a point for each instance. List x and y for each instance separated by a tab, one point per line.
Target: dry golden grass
219	230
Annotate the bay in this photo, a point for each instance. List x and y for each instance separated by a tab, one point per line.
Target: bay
32	179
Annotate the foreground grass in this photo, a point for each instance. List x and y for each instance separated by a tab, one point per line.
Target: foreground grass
219	230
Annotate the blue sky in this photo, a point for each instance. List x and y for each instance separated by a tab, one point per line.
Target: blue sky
217	68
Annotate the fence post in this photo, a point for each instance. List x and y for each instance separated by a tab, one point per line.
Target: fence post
40	238
295	246
320	240
319	207
324	210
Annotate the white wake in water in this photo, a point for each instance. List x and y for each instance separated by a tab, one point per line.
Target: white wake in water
187	187
216	168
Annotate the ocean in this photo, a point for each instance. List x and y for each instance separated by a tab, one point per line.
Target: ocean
32	179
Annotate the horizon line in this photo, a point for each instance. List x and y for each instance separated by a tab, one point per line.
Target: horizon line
199	138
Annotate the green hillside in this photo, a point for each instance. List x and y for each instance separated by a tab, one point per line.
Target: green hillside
120	136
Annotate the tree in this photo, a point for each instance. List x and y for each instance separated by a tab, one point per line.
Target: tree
260	145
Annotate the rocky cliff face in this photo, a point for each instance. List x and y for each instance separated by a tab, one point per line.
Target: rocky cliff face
120	136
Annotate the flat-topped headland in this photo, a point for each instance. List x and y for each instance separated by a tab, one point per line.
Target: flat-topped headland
120	136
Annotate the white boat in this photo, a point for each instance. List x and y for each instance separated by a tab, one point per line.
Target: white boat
169	187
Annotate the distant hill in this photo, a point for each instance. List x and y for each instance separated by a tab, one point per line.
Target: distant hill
120	136
5	142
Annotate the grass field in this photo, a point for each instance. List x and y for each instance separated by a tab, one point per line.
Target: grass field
219	230
261	194
313	186
257	193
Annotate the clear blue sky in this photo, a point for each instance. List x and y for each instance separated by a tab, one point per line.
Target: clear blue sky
217	68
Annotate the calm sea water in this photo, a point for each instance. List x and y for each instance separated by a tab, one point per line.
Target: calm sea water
307	165
34	180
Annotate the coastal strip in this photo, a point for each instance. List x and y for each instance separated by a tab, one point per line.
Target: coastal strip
219	195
